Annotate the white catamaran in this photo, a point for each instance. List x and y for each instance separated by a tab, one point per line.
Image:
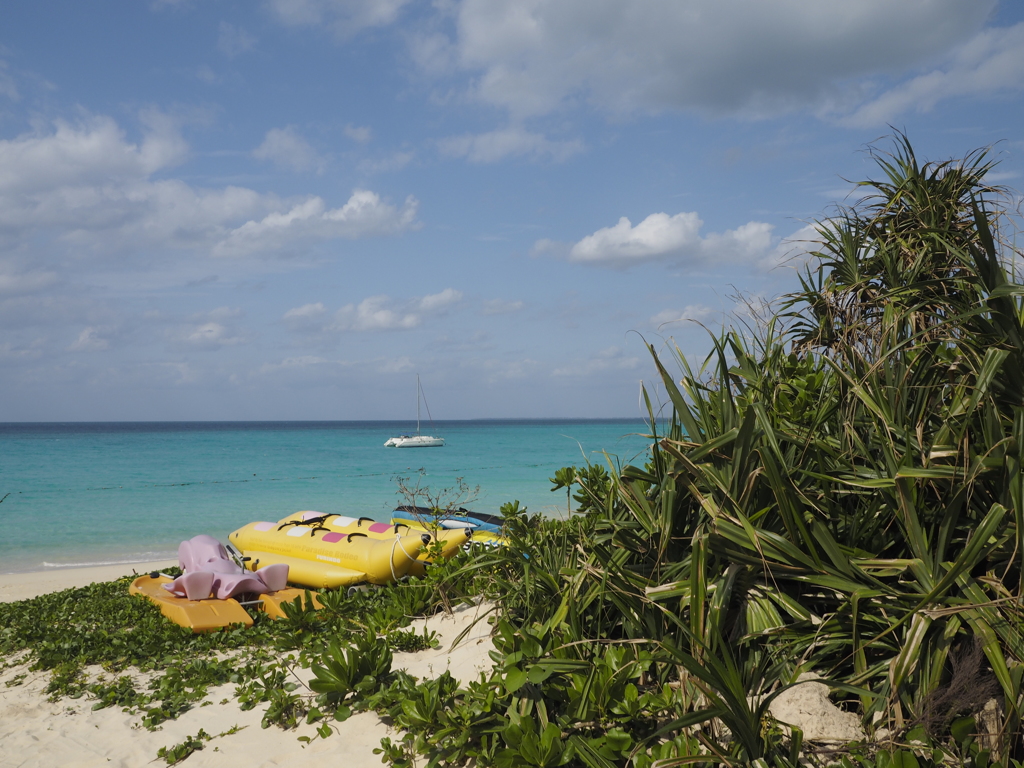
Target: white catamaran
417	440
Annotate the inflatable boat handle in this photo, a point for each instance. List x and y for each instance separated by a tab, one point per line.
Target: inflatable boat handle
367	519
425	538
349	538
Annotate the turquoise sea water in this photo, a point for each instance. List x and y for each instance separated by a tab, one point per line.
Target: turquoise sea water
88	494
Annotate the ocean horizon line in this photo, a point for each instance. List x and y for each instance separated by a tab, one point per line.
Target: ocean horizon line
300	423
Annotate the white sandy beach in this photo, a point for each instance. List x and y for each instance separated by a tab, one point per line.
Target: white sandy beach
21	586
35	733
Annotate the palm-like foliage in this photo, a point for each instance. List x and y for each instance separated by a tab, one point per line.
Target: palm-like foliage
840	491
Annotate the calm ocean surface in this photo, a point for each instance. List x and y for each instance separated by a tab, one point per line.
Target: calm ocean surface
89	494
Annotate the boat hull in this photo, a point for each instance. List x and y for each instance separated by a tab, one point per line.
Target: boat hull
415	441
321	558
211	614
451	540
197	615
423	517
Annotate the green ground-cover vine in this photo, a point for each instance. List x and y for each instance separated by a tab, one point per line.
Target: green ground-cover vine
158	670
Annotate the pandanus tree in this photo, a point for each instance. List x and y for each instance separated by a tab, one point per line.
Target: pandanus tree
841	488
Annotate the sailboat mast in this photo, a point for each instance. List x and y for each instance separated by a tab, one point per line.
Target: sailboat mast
417	405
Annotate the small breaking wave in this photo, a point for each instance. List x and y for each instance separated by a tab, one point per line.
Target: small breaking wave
144	557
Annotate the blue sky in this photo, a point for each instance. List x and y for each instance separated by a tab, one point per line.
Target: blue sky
286	209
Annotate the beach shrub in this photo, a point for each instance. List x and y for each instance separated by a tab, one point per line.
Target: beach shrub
837	489
358	669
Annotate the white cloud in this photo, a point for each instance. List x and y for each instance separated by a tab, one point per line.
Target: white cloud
287	149
513	141
990	63
664	237
88	341
76	191
212	329
656	236
364	215
234	41
530	56
210	335
308	316
438	301
696	312
794	250
374	313
343	17
90	153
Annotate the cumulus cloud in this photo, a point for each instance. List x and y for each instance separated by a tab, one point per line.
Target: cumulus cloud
90	153
739	56
306	317
375	313
343	17
794	250
286	148
365	214
513	141
84	188
661	237
438	301
991	62
532	57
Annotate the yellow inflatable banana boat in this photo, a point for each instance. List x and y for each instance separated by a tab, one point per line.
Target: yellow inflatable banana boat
451	540
325	556
212	614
